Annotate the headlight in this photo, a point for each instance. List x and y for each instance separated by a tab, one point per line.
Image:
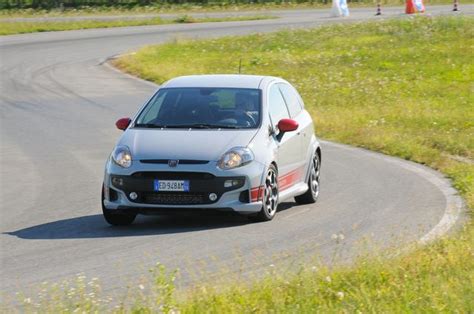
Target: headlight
122	156
236	157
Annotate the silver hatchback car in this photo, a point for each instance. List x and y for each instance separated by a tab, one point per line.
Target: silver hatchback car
239	143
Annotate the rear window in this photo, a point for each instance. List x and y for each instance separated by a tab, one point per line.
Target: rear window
202	108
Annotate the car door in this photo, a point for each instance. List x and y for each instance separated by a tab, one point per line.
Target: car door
297	113
289	145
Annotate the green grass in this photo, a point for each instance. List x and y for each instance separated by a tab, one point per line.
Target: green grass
402	87
10	28
187	8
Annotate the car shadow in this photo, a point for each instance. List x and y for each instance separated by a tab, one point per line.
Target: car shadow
94	226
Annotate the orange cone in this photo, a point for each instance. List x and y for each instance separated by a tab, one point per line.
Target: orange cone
410	7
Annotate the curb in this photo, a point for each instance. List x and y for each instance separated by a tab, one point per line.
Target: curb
455	207
106	63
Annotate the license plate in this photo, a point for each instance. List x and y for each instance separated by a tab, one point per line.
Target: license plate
171	185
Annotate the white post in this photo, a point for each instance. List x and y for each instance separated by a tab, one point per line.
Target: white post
339	8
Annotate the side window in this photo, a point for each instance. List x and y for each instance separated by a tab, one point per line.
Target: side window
277	106
291	99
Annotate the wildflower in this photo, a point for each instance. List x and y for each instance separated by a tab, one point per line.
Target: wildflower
340	295
328	279
142	287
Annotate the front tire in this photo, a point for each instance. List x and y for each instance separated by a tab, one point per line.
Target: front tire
114	218
270	196
311	196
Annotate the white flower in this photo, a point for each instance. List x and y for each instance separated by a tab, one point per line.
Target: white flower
338	237
27	300
271	265
328	279
142	287
340	295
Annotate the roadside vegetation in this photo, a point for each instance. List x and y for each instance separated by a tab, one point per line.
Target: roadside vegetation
53	8
401	87
9	28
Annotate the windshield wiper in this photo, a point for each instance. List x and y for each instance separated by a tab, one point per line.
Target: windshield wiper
186	126
203	126
219	126
189	126
150	125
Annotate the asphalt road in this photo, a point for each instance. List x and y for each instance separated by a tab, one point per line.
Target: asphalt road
58	105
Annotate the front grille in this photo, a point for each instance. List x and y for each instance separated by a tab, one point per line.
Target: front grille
176	198
180	162
174	175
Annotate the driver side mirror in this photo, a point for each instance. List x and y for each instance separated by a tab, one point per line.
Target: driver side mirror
122	124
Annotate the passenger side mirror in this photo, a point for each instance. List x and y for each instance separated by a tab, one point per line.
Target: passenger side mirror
122	124
287	125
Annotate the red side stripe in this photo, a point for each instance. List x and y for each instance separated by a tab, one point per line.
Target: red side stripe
287	180
256	194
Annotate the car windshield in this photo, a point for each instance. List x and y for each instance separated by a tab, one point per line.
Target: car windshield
225	108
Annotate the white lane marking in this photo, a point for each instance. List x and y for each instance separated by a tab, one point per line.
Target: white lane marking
105	63
454	203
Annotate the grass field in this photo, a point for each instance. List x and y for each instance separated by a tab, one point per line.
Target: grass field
187	8
401	87
10	28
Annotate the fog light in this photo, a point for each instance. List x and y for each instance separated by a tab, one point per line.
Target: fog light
133	195
213	196
117	181
231	183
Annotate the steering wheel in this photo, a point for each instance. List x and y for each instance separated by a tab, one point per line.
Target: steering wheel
249	119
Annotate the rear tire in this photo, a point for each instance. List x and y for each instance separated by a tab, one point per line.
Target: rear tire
115	218
311	196
270	197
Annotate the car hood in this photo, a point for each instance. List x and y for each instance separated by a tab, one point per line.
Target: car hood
183	144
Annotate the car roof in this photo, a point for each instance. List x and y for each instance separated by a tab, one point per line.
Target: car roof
216	80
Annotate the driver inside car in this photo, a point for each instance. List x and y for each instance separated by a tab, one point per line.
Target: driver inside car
245	109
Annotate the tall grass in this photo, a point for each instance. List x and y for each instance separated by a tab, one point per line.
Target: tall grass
49	4
25	10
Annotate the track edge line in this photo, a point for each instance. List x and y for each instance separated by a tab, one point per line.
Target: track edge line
455	206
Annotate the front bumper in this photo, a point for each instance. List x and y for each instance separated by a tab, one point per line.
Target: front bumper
204	180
